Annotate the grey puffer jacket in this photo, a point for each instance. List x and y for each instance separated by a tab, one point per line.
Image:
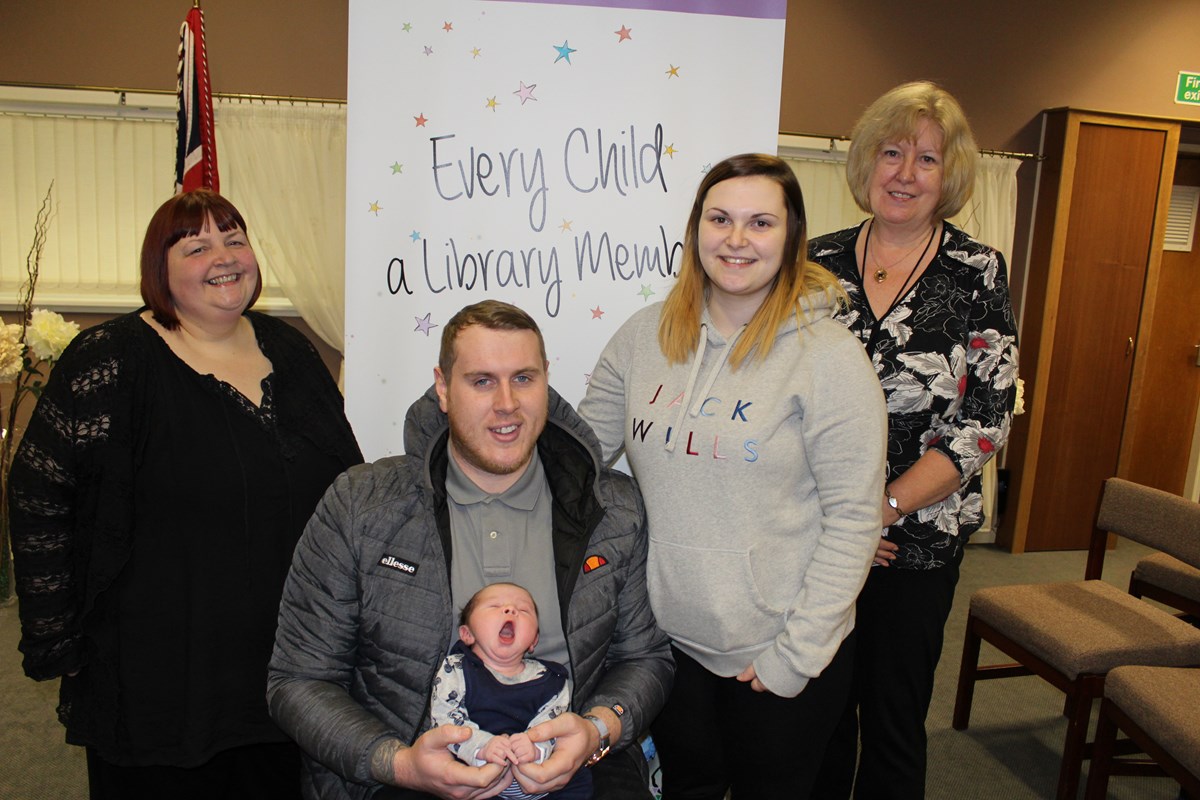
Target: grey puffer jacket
366	615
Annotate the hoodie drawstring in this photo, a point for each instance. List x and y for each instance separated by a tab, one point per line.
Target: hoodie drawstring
698	400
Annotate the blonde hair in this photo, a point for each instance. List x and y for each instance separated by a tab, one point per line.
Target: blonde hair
679	328
896	116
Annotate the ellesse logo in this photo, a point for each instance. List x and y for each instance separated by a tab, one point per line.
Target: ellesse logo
391	562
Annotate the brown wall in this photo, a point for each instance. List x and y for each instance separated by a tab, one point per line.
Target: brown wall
275	47
1004	64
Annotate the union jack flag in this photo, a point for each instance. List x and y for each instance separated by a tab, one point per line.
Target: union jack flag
196	148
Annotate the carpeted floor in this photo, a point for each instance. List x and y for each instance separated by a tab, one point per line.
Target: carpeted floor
1011	750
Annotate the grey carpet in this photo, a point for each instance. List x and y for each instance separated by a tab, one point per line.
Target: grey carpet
1010	751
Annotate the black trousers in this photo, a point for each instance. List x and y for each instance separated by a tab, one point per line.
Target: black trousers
622	775
253	772
900	623
717	734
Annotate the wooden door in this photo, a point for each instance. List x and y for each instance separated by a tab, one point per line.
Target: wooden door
1156	450
1114	198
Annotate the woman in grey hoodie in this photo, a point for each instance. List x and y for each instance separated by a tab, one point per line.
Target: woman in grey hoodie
756	428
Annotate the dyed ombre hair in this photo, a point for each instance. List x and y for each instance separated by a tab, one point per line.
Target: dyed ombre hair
679	328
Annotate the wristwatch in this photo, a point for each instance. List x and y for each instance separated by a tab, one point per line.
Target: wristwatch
604	747
891	501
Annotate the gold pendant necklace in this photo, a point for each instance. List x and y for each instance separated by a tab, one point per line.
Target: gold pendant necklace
881	274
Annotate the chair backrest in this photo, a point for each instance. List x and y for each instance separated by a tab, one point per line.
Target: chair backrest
1157	519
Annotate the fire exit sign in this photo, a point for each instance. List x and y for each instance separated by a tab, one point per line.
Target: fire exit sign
1188	92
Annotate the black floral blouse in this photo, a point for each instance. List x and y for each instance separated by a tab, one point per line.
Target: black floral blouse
946	355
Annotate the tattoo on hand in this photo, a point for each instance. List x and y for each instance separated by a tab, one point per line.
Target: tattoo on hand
383	761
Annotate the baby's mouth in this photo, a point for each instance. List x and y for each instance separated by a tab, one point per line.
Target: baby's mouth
506	632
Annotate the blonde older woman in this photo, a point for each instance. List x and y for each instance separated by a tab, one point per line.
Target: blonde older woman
931	305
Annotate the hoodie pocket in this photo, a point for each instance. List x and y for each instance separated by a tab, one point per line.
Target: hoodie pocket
709	599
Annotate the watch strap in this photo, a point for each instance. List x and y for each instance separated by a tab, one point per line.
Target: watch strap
604	746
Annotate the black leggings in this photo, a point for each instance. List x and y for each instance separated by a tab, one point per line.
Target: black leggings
717	734
901	618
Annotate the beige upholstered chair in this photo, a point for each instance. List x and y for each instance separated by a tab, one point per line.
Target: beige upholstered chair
1158	708
1169	581
1072	634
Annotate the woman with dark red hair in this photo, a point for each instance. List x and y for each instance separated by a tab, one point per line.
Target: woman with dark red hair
169	468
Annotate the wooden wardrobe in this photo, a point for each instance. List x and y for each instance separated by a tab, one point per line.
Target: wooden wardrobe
1101	388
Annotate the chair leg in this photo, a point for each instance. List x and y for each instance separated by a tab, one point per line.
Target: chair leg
1083	691
1102	755
966	677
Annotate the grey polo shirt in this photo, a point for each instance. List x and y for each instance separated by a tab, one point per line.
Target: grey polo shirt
506	537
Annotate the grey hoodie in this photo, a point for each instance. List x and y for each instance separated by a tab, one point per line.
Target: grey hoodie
763	487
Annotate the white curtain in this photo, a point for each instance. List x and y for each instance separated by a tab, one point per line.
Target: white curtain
990	217
991	214
286	165
109	175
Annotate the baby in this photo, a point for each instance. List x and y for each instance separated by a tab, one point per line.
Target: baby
491	683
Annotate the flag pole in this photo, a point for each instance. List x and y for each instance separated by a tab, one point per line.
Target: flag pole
196	145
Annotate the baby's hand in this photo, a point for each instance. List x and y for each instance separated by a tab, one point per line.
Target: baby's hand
523	750
497	750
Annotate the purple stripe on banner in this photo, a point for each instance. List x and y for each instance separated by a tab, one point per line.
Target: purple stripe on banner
756	9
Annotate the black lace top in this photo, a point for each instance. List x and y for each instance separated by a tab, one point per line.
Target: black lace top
155	511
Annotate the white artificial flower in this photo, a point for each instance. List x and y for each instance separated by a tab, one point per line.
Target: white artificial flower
11	351
49	334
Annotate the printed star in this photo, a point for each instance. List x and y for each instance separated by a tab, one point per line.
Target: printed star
407	27
397	168
673	72
448	26
587	378
564	51
597	313
646	291
476	52
428	50
491	103
704	170
671	151
415	236
421	120
566	225
525	92
623	33
424	325
375	208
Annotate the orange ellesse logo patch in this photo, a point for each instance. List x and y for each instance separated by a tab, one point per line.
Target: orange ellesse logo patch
594	562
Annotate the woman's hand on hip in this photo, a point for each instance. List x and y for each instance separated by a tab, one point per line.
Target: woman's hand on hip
750	676
885	553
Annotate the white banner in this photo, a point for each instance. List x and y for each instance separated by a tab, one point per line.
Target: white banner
542	153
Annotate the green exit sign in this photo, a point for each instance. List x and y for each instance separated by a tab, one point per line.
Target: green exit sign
1188	92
